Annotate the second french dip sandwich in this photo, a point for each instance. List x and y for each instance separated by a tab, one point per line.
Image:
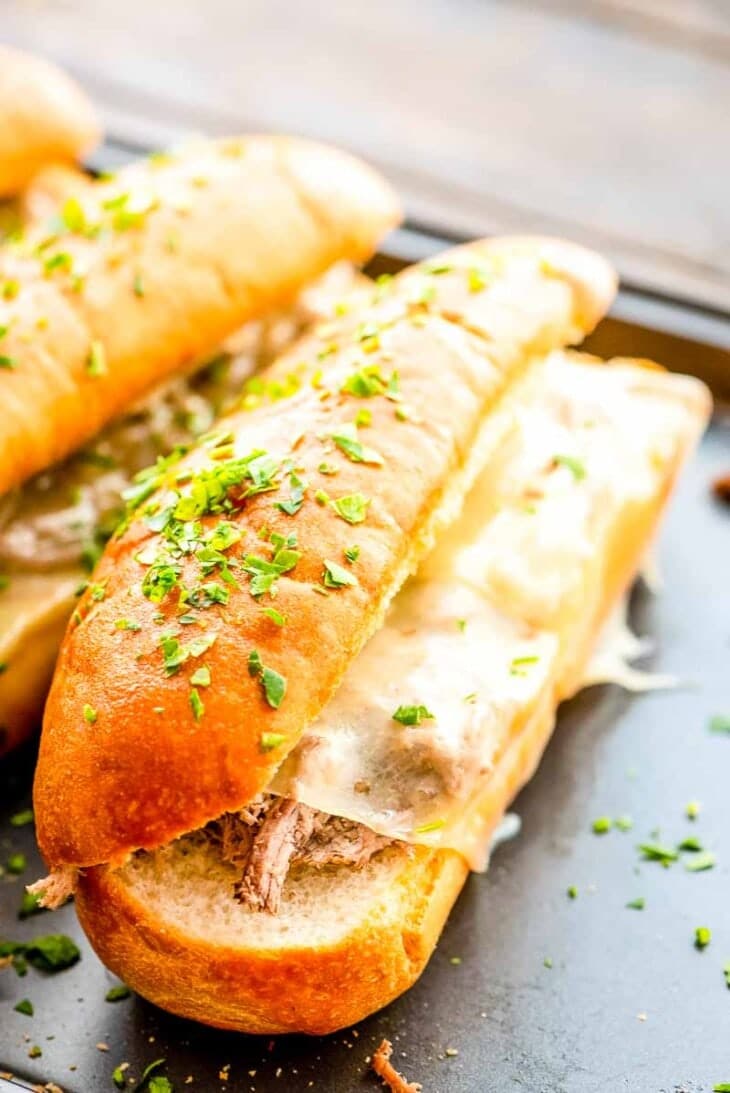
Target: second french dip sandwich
115	288
228	612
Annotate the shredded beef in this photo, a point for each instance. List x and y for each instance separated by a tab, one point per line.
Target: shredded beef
383	1067
274	834
56	888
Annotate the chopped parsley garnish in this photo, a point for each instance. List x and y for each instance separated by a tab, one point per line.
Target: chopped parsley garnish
90	714
271	740
22	819
265	572
96	360
623	823
201	677
25	1006
691	844
275	616
602	825
412	715
174	654
698	863
637	904
572	892
138	285
665	855
519	664
574	465
369	381
52	953
272	684
118	993
345	437
703	936
548	962
692	810
353	507
16	864
196	704
720	724
477	279
335	576
296	496
29	905
8	363
127	624
352	554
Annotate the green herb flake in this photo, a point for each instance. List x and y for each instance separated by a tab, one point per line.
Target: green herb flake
16	864
637	904
602	825
574	465
698	863
623	823
412	715
720	724
519	665
29	905
35	1052
721	1087
692	810
335	576
196	704
345	437
351	507
703	936
691	844
90	714
276	616
271	740
138	285
665	855
25	1006
117	993
22	819
572	892
159	1084
548	962
455	960
274	687
127	624
7	363
52	953
118	1076
96	360
201	677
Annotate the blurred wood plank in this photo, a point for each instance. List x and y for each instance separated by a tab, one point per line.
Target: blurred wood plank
606	120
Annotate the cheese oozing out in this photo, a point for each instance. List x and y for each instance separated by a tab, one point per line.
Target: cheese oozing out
480	646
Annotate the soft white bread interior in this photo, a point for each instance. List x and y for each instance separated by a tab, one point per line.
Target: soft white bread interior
45	118
346	942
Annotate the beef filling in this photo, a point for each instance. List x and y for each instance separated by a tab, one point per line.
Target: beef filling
274	835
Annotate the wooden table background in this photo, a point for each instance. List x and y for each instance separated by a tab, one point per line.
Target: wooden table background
607	120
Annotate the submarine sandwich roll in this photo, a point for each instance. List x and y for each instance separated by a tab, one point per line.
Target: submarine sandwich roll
235	605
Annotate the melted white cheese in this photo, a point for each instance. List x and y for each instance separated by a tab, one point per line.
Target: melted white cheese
524	567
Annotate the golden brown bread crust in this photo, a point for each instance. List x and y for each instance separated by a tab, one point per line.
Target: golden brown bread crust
177	773
320	990
45	118
155	268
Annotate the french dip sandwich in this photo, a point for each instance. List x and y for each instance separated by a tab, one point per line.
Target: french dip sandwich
114	304
269	759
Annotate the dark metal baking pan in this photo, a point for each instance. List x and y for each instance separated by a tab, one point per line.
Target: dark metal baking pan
529	989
